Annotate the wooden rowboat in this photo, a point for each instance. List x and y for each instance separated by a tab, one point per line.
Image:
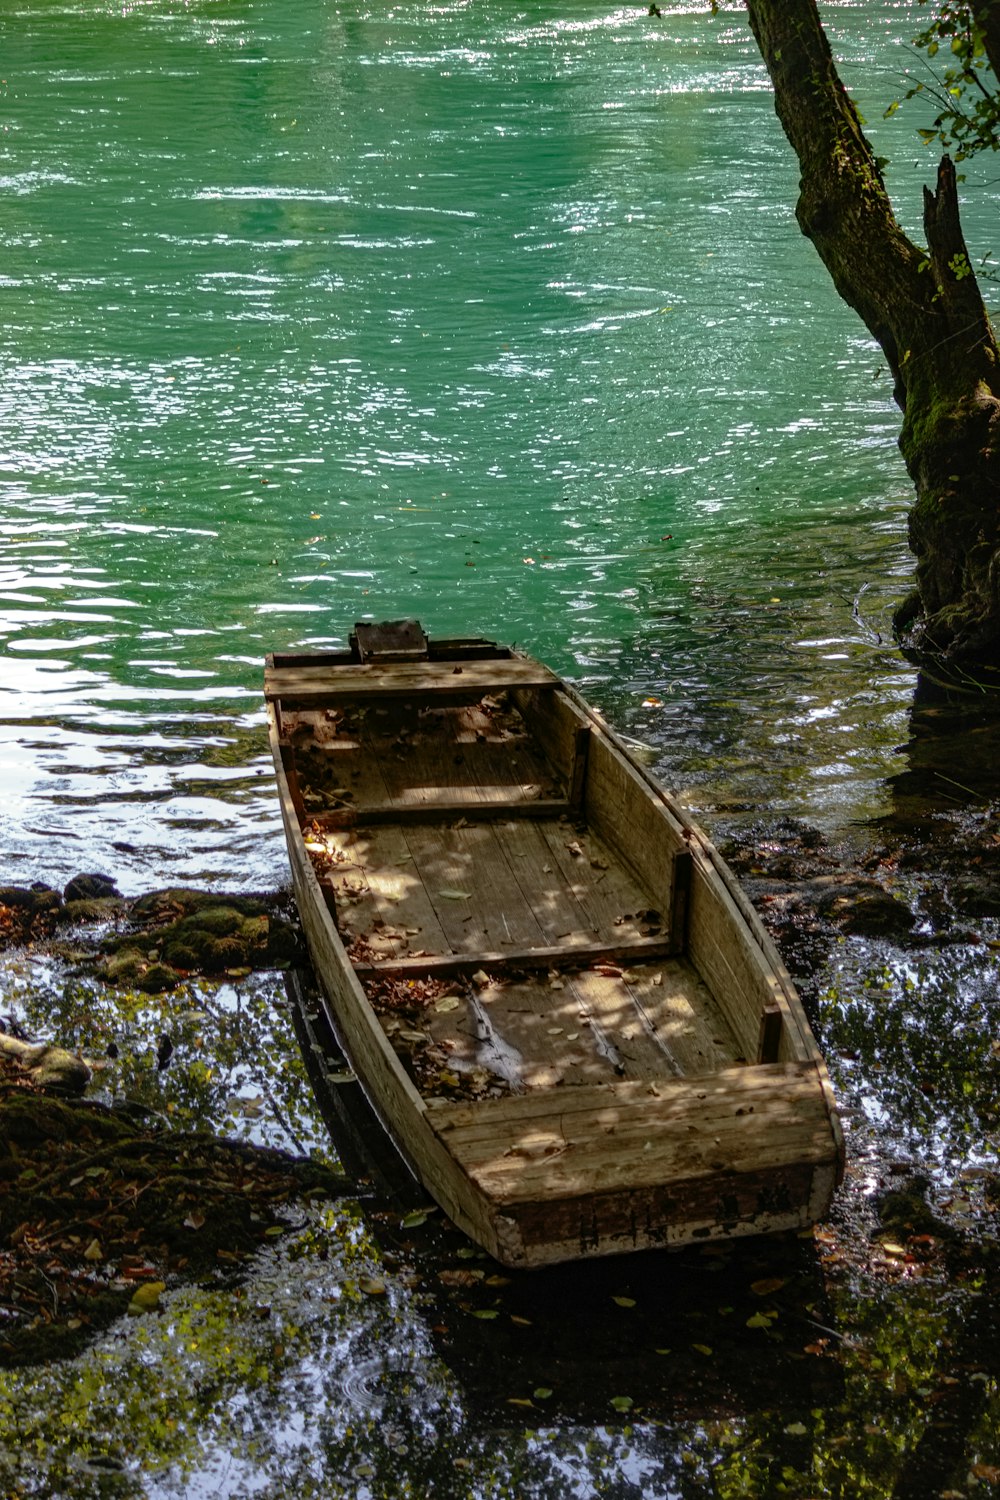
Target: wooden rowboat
555	994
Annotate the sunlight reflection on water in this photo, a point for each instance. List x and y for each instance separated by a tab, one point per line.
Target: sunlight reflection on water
377	318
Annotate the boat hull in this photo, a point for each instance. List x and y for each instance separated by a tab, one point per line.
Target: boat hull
557	998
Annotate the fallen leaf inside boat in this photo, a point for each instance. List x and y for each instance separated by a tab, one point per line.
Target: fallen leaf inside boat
767	1286
459	1276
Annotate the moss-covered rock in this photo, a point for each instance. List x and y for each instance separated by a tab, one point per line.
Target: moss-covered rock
92	887
203	932
218	937
91	909
47	1066
158	908
158	979
35	898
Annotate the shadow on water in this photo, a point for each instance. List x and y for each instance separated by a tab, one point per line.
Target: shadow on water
672	1334
952	762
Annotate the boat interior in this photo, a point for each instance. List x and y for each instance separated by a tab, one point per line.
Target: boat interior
524	908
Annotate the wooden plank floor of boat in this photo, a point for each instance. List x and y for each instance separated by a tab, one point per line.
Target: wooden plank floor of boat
488	906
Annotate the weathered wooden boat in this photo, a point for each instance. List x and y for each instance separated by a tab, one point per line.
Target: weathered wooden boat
560	1002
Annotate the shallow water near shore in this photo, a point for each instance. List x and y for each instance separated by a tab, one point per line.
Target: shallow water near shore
496	316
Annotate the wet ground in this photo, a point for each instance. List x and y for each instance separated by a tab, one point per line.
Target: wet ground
370	1350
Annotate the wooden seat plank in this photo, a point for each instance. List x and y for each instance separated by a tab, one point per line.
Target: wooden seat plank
405	679
736	1122
436	806
739	1087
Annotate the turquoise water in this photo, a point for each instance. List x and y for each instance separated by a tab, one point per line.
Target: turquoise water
492	314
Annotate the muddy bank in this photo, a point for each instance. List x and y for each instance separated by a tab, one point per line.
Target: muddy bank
105	1202
927	881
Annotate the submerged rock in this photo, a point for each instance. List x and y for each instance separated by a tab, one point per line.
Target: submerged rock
977	895
90	888
867	910
124	967
904	1210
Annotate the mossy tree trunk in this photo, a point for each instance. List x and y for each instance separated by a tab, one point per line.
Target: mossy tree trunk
926	311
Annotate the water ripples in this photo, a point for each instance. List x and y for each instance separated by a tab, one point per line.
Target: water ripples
313	319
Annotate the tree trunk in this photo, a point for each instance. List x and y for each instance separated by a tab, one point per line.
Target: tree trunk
926	311
988	17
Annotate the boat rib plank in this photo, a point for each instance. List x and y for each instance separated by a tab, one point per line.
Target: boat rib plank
624	810
568	954
739	975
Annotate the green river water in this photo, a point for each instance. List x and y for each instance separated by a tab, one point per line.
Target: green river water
492	314
495	314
